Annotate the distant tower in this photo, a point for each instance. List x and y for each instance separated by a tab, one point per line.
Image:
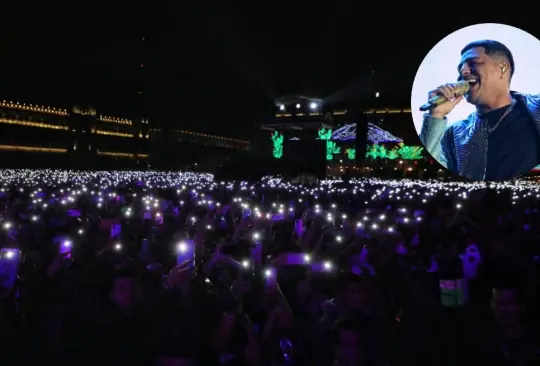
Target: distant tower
142	78
82	121
143	125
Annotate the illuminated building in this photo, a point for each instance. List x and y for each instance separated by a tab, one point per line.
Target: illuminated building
298	119
84	138
301	118
297	133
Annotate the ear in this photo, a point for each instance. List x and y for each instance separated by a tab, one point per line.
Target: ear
505	67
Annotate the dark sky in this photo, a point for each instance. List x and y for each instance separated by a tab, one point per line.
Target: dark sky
209	66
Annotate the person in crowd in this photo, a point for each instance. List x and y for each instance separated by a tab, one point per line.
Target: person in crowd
176	269
347	343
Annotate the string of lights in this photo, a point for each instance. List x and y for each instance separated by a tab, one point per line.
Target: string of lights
376	134
401	151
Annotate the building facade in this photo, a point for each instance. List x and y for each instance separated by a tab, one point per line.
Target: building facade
36	136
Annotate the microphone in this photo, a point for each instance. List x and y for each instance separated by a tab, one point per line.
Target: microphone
460	88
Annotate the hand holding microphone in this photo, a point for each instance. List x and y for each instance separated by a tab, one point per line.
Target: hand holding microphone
443	99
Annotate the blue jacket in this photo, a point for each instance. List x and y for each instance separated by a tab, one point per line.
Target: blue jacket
462	147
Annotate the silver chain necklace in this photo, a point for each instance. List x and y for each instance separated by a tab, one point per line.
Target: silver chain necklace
504	115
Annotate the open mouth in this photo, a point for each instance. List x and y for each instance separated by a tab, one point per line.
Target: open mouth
474	84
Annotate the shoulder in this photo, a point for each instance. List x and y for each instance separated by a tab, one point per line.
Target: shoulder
462	124
532	100
530	96
527	98
459	127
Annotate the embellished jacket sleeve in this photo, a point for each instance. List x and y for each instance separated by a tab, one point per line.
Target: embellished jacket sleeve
433	130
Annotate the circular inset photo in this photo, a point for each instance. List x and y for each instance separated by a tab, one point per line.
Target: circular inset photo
476	104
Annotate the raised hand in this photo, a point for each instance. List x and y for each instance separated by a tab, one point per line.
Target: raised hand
448	91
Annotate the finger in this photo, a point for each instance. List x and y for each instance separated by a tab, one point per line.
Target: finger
447	92
433	93
436	92
179	267
457	100
453	90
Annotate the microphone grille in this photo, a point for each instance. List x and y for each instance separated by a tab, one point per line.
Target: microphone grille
462	87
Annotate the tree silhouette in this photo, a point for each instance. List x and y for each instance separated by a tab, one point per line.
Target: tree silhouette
331	149
392	154
382	151
410	152
277	141
372	151
325	134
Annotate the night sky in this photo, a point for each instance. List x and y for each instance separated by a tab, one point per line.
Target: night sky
212	67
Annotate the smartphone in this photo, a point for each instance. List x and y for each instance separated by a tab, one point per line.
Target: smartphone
116	231
471	260
74	213
9	266
270	277
257	252
454	293
66	246
247	264
278	217
298	259
222	222
246	212
247	270
323	267
185	252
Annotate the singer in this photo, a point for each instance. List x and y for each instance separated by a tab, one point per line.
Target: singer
501	140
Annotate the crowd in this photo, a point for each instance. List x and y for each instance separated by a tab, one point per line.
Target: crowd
147	268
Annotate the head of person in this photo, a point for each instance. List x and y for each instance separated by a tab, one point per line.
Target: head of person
122	290
491	65
507	305
346	341
354	292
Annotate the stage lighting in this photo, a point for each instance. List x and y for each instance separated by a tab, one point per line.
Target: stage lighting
313	105
377	94
297	105
281	107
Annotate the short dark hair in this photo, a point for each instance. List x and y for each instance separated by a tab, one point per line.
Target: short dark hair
346	278
347	324
118	274
493	48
